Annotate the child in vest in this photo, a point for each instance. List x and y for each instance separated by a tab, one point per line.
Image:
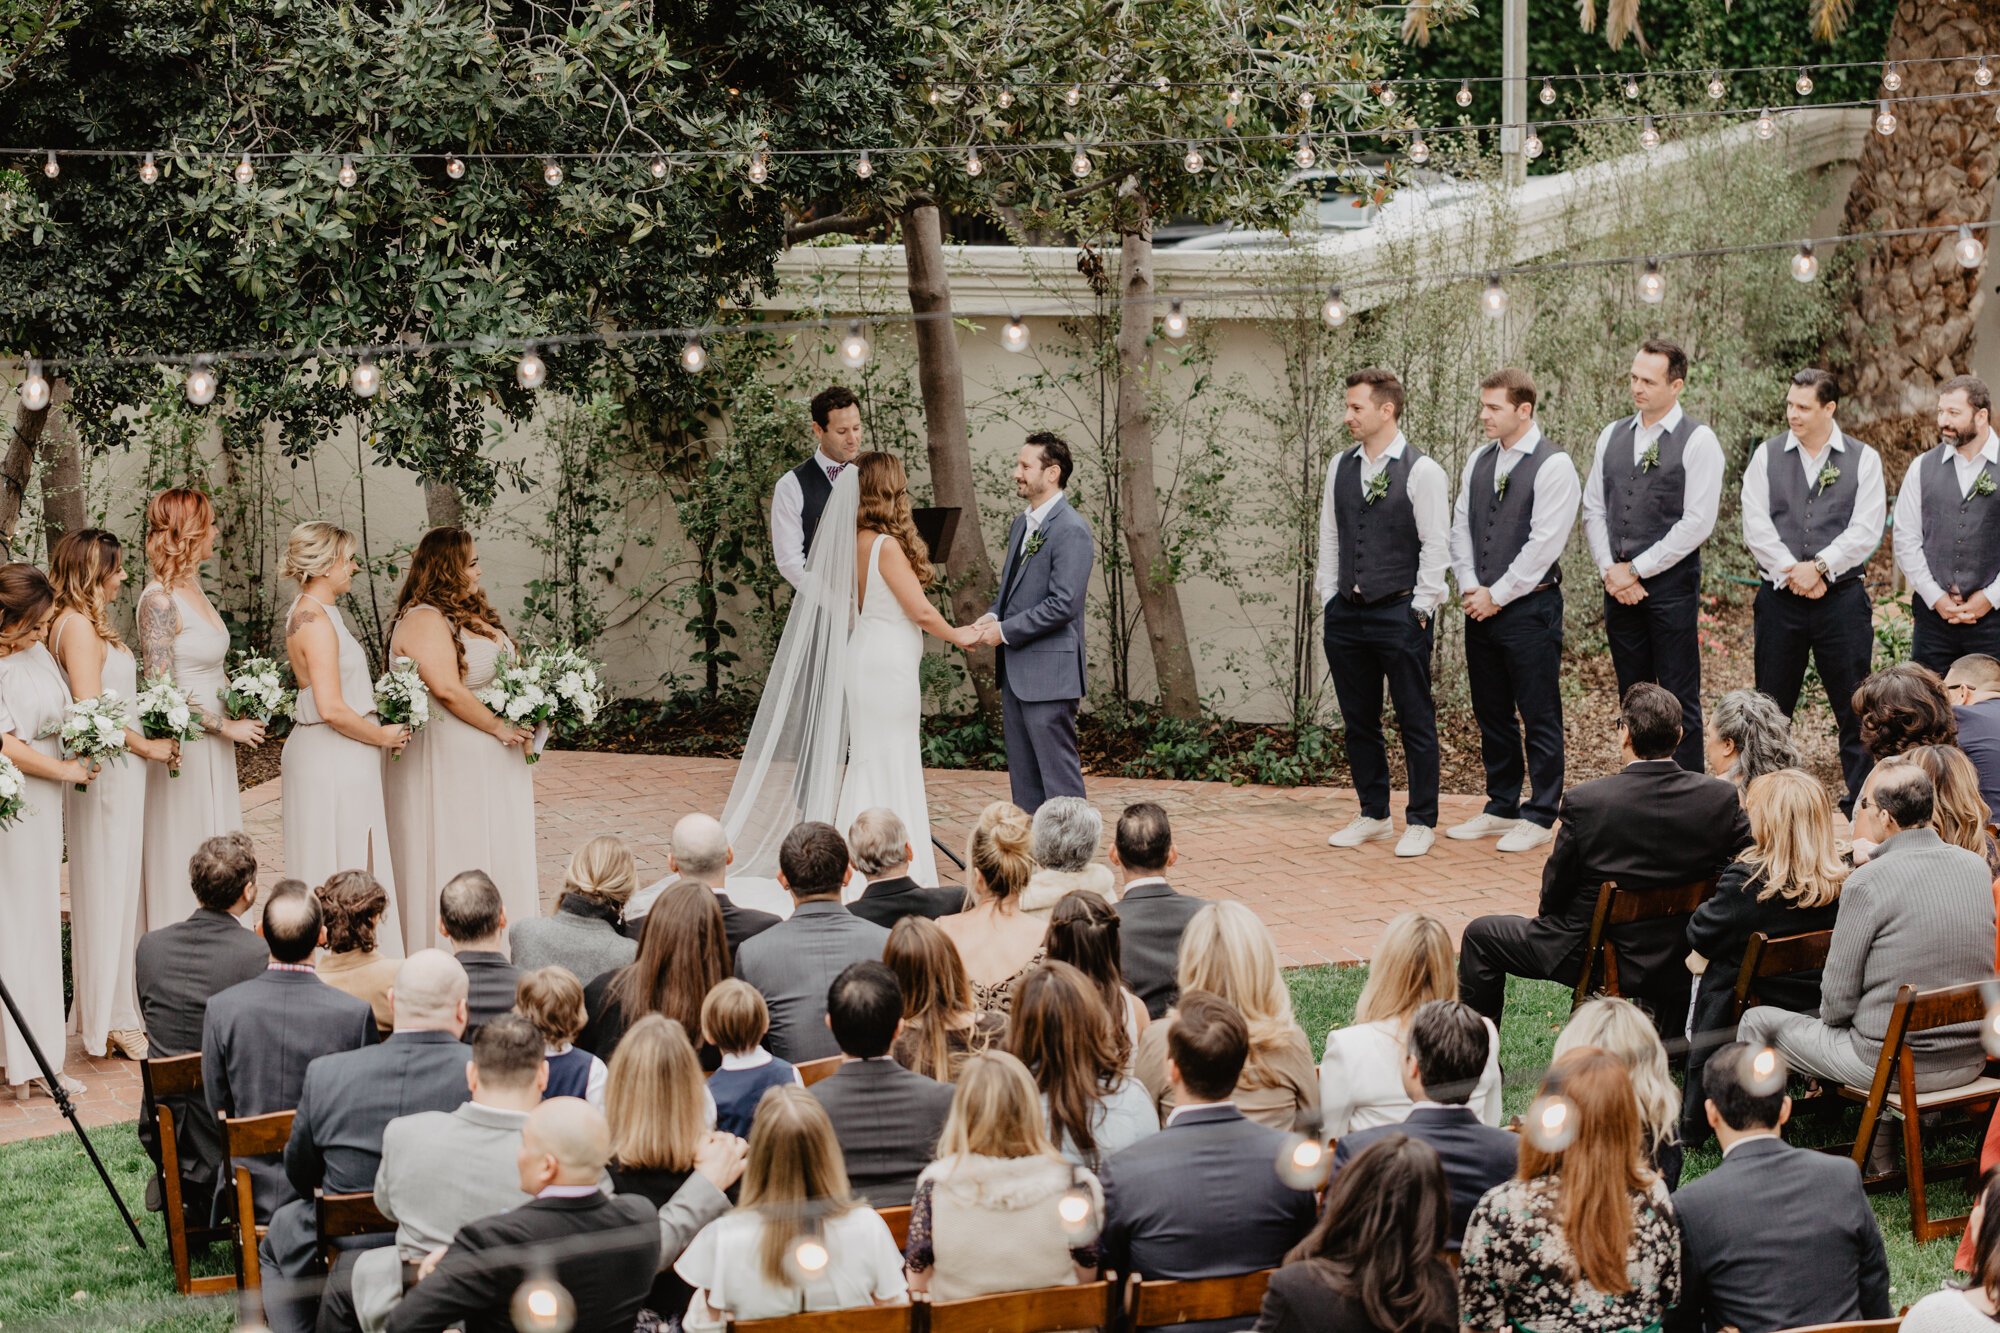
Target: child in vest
552	999
734	1021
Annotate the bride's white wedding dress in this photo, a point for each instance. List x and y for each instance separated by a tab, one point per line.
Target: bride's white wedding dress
885	707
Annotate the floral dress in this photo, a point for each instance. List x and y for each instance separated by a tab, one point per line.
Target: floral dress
1517	1270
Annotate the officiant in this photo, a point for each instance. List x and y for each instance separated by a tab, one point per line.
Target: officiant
801	494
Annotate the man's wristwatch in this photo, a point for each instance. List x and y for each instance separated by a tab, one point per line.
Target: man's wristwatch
1819	563
1423	620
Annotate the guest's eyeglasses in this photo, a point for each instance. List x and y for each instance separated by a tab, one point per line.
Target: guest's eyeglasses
1865	803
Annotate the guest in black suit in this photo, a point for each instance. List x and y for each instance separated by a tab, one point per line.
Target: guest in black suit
879	847
178	969
886	1118
1202	1198
700	855
1774	1237
261	1034
1654	825
1151	915
474	919
1446	1052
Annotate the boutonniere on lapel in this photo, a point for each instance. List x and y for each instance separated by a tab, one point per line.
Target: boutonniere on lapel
1827	476
1651	458
1378	486
1030	546
1500	485
1984	485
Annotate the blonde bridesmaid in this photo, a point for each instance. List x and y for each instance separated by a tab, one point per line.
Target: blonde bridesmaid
181	633
32	699
462	799
332	770
106	824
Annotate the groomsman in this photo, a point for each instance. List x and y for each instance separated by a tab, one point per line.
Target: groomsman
800	496
1384	534
1813	511
1516	507
1947	533
1649	504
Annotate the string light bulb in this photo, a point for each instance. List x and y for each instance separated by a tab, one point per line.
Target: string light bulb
1074	97
365	379
1234	96
530	372
658	166
973	166
1805	264
1885	119
50	167
935	97
200	385
1193	161
1548	93
1305	99
1989	1030
244	173
1303	1162
1649	135
1766	128
1304	154
1892	79
1765	1073
1531	147
1175	325
1333	310
149	171
552	172
1079	164
346	175
1077	1211
1464	94
1420	152
1969	250
759	169
1716	87
1803	85
1652	286
1631	89
1015	336
1493	301
1387	95
854	347
1551	1123
1005	98
1162	83
542	1305
864	166
810	1255
35	388
1982	74
454	166
694	357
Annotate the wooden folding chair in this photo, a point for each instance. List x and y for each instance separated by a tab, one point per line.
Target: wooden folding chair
899	1224
1042	1310
812	1071
1857	1326
338	1216
866	1319
1921	1011
1151	1304
1764	957
179	1076
252	1136
1629	907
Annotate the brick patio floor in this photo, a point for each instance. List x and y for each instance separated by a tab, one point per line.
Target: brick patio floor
1265	846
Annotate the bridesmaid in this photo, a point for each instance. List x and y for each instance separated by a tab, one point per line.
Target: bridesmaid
332	771
181	633
462	799
32	699
106	824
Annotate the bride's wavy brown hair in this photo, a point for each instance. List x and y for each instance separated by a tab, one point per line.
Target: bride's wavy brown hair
885	507
441	577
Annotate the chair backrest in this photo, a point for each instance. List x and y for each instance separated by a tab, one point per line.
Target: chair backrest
1239	1297
256	1135
812	1071
1630	906
1858	1326
1767	957
866	1319
1042	1310
1947	1006
341	1215
171	1075
899	1224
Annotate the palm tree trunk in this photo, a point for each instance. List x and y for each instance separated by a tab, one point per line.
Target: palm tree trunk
64	507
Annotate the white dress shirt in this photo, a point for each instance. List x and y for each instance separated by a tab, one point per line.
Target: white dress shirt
1430	498
1856	542
1908	535
1549	523
1701	461
1361	1078
788	522
1036	517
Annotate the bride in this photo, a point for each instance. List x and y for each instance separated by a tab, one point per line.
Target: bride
836	729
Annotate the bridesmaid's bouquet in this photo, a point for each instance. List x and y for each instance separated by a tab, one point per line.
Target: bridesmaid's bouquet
257	689
166	713
520	694
577	685
13	793
402	699
93	730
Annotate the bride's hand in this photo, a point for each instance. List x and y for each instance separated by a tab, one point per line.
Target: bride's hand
967	636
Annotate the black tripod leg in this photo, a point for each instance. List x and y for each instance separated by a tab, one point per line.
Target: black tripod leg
950	855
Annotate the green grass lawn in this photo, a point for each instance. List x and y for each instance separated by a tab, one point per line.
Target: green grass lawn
66	1261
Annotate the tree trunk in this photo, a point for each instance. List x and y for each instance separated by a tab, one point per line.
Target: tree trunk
17	468
1910	314
65	506
1152	567
443	506
941	378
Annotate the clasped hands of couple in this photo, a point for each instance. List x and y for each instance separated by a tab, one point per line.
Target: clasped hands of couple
983	632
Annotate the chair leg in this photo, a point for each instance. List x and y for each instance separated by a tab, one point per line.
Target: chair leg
1913	1169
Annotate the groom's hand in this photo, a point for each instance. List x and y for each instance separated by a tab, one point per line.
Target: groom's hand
989	633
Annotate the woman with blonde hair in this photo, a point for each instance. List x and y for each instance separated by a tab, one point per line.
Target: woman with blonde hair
1361	1070
985	1217
655	1103
683	955
463	795
351	906
1226	951
743	1265
583	934
999	940
183	636
332	765
1610	1023
941	1027
1959	813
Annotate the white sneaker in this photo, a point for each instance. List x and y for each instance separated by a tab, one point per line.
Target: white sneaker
1526	837
1481	826
1363	829
1416	840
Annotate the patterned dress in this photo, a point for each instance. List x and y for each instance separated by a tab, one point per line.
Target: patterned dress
1517	1270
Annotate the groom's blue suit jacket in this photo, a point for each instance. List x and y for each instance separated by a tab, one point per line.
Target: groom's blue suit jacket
1040	607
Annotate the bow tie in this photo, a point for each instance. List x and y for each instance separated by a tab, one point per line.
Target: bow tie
833	473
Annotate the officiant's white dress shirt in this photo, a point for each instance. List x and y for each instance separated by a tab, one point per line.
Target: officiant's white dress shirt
788	522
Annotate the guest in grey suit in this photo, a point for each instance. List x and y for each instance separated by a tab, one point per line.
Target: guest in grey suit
261	1034
794	962
1152	916
887	1119
1037	625
582	933
473	920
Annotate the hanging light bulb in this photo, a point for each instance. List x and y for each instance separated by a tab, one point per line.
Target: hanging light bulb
1805	264
1531	147
365	379
200	385
1234	96
1420	152
1649	135
542	1305
552	172
1015	336
149	170
658	166
1982	74
1765	1073
1969	251
1716	87
759	169
1652	287
809	1255
1077	1211
1631	89
1989	1030
1304	1162
863	166
1333	310
530	372
1493	301
1194	161
694	357
1464	94
346	175
1162	84
935	97
244	173
1548	93
1766	128
454	167
1885	120
1304	154
973	166
1387	95
1079	164
1892	79
1005	99
1175	325
35	388
1803	84
1305	99
854	347
1551	1123
1074	97
50	167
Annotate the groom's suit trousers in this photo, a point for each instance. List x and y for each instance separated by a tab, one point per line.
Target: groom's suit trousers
1041	746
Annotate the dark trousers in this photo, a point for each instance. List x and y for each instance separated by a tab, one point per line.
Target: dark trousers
1364	645
1544	948
1937	644
1513	662
1041	746
1659	640
1838	632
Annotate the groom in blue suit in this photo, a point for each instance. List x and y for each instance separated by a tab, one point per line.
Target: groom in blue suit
1036	626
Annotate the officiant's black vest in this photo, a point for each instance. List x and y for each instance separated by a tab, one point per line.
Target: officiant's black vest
1378	542
1641	504
1499	523
815	489
1961	531
1809	516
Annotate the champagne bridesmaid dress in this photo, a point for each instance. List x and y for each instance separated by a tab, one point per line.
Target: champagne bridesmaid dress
332	788
32	699
460	800
184	812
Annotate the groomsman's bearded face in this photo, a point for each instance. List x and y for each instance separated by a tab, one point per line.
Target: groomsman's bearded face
1035	477
840	438
1957	422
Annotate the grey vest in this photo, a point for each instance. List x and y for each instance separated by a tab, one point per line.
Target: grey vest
815	490
1961	535
1499	524
1808	516
1378	542
1642	505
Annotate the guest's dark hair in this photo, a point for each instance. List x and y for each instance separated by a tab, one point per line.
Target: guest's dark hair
351	902
1677	357
221	869
507	1051
1652	718
683	954
1383	387
830	400
1902	707
1985	1273
1726	1081
812	859
1974	389
1062	1032
863	1006
1449	1042
937	997
1083	932
469	906
1904	792
291	925
1380	1236
1208	1041
1055	453
1144	837
1826	389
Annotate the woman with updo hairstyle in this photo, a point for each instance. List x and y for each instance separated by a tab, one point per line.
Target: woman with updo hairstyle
106	824
463	794
351	905
332	769
182	635
1902	707
32	698
999	941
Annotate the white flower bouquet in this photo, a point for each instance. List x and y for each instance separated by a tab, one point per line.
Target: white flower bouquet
257	689
166	713
521	695
93	730
13	793
402	699
577	685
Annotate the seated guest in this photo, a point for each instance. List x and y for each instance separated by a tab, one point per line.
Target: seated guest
261	1034
700	854
997	936
1151	914
1063	837
582	933
985	1215
1361	1082
1202	1198
1775	1236
1976	1305
1786	882
1959	813
1609	1023
940	1026
1652	825
794	961
1447	1051
683	954
1746	736
885	1119
880	848
552	1000
1585	1240
1973	686
351	904
1227	952
734	1021
473	921
1901	707
1084	932
1372	1263
738	1264
1068	1041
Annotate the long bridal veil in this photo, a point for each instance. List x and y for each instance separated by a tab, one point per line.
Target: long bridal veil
797	754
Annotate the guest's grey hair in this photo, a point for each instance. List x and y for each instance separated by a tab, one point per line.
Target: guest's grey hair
875	841
1066	834
1759	730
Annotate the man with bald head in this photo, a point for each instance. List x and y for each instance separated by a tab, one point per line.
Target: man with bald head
700	855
